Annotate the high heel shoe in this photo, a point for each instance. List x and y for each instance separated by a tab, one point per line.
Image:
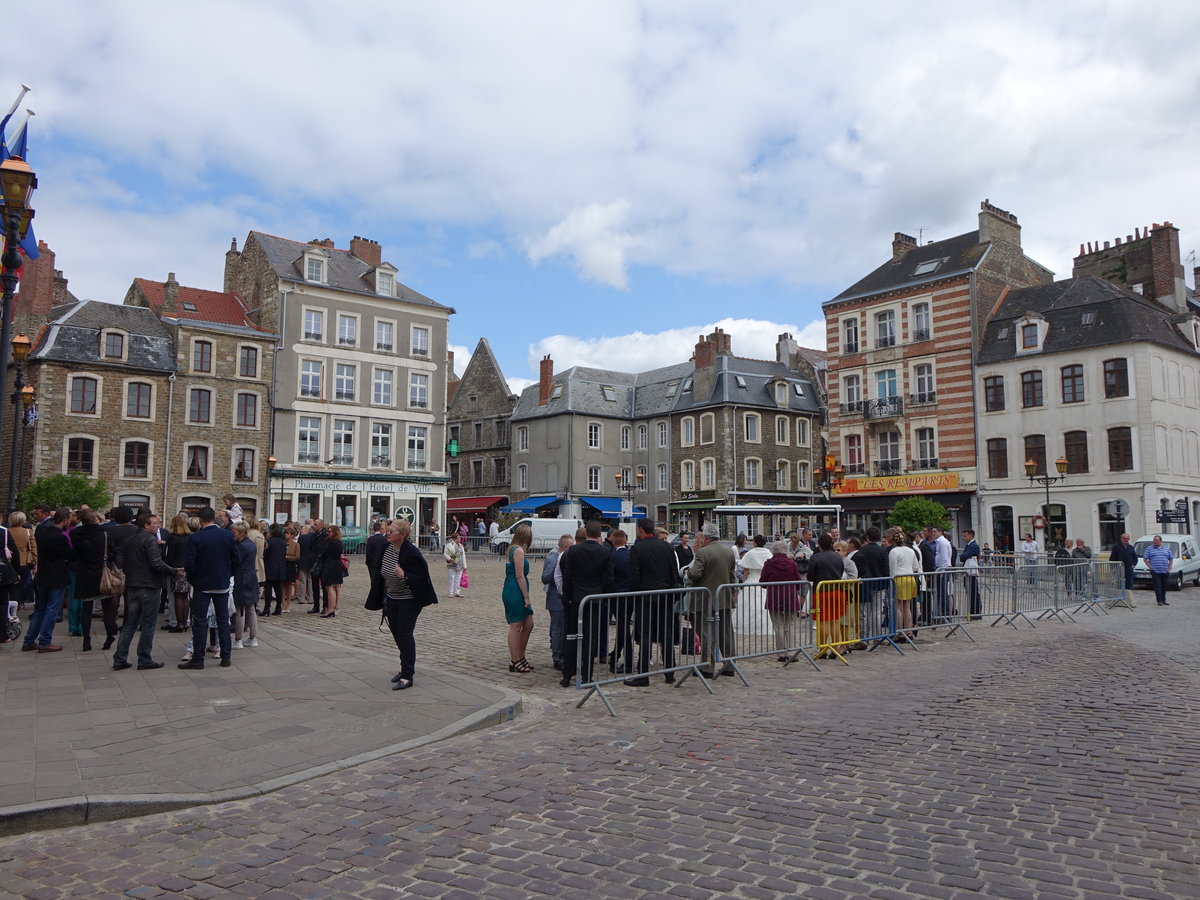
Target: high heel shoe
328	615
87	643
108	642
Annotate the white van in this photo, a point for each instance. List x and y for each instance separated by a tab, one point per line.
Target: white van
546	533
1185	549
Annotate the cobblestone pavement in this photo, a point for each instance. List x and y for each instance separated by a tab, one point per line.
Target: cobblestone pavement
1060	761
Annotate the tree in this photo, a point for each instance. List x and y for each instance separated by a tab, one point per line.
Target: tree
65	490
918	512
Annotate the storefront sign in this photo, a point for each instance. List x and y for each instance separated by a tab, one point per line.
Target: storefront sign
900	484
359	487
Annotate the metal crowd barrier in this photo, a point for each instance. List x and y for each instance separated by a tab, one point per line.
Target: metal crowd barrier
769	619
944	600
877	608
1108	586
836	609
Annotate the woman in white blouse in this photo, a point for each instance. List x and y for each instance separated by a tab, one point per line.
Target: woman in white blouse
904	565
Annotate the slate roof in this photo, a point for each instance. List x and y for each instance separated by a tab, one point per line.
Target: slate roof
73	336
345	271
211	307
1120	316
957	256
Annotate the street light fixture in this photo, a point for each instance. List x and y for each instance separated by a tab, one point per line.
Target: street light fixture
831	476
629	487
20	347
18	182
272	462
1046	480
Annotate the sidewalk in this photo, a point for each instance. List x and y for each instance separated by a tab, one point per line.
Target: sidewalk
83	743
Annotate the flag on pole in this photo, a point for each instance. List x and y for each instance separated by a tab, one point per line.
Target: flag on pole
20	147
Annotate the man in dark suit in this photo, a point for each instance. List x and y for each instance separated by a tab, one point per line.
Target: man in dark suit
872	562
211	559
586	569
652	567
970	560
54	554
320	538
373	556
621	608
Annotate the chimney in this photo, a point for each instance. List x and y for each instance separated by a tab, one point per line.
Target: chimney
720	340
232	257
170	304
327	243
901	244
705	354
998	226
36	293
545	379
1169	287
786	349
450	363
367	250
1196	278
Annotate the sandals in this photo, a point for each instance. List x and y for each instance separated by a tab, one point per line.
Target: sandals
521	665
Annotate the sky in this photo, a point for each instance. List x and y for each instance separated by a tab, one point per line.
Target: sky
601	181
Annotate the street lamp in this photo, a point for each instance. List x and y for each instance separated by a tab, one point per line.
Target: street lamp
1046	480
629	487
20	347
272	462
18	183
831	476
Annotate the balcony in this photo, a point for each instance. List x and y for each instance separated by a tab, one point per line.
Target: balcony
384	347
313	336
925	398
347	342
887	467
884	408
853	408
850	347
885	340
855	468
928	463
920	334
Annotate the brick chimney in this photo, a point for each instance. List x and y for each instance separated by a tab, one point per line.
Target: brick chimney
37	291
705	353
367	250
327	243
901	244
545	379
170	304
998	226
1167	270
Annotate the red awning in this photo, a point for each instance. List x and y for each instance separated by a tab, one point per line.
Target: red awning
472	503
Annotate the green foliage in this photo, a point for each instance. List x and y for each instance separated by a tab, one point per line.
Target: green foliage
65	490
918	512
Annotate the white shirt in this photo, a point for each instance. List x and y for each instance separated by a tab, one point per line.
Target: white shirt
1030	549
941	552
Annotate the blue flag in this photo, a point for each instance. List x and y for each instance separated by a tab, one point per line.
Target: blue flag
20	147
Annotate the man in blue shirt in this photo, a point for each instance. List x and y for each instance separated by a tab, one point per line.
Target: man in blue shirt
1158	560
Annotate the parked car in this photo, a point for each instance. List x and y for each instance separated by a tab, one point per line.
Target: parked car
1185	565
546	533
354	538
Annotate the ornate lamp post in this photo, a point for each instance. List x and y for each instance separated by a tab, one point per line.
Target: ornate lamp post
831	476
1046	480
629	487
28	417
272	462
18	183
20	347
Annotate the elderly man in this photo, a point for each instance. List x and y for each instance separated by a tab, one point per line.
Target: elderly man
1124	553
141	560
1158	558
712	567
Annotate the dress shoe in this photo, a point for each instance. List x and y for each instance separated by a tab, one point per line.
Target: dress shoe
149	665
27	647
226	662
314	612
87	643
193	663
118	666
397	677
566	681
403	684
637	682
49	648
108	643
669	677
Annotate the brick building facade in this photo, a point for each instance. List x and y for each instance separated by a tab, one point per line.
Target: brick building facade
477	428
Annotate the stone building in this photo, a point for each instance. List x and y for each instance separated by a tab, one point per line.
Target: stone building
360	382
477	434
901	345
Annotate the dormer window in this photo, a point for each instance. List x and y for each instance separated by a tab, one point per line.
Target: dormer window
314	269
781	393
741	382
112	345
1029	336
385	283
1031	333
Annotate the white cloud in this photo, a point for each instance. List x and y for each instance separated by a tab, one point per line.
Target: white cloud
596	237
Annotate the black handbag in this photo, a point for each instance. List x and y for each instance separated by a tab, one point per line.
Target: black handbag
8	575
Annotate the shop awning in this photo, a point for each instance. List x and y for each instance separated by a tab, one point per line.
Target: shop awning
697	504
608	507
529	504
472	503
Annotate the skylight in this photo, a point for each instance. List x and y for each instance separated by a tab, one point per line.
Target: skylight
189	306
557	392
687	385
672	388
1089	318
741	382
1002	333
609	392
928	266
799	389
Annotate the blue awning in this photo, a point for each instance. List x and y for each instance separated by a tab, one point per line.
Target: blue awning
608	507
529	504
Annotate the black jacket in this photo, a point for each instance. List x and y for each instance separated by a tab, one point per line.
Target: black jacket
55	555
274	564
89	543
586	569
140	558
872	561
825	565
652	565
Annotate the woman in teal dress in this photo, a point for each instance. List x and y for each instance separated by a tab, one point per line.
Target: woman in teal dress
518	610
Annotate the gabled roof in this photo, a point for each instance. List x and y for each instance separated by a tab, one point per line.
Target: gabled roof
1081	313
73	336
345	272
199	305
933	262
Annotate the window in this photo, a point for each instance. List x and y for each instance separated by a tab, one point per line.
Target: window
802	476
1075	444
783	430
926	449
344	377
478	434
83	395
593	436
920	322
753	467
137	400
500	470
523	438
312	373
663	436
200	406
707	425
343	442
709	468
314	325
885	328
854	454
114	345
556	391
928	267
454	476
609	393
781	475
1029	336
1116	378
662	476
672	389
347	330
740	381
136	462
923	376
197	462
381	444
308	440
593	484
314	269
997	457
381	387
626	437
202	356
889	452
1120	449
851	394
477	471
522	478
1072	384
248	362
687	432
885	384
1031	389
781	393
993	393
1035	452
243	464
81	455
385	283
643	437
416	446
501	432
420	340
385	336
687	476
850	336
753	426
247	411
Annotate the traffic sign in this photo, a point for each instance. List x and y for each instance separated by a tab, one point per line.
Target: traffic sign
1181	505
1118	509
1170	516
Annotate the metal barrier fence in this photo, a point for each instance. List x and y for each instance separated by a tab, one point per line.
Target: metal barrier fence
838	615
769	619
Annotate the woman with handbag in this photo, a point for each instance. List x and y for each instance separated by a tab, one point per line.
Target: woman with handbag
178	533
91	543
456	563
333	573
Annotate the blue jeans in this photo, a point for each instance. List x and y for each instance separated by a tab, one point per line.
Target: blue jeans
1160	586
141	608
558	631
220	602
45	614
